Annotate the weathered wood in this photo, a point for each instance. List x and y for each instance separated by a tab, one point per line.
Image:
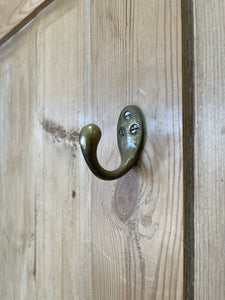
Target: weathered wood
14	14
65	234
209	145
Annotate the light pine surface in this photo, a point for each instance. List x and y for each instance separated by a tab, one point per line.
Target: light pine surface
65	234
16	13
209	147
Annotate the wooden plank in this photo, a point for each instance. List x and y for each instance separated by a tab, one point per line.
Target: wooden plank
64	233
64	205
14	14
18	171
44	200
209	145
136	59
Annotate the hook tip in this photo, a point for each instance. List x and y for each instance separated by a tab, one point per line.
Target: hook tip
90	133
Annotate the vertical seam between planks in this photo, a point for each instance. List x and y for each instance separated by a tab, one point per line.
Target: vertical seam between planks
188	143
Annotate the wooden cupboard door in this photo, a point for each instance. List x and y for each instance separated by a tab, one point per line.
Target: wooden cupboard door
64	233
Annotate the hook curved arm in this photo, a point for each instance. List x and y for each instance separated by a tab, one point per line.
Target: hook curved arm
129	139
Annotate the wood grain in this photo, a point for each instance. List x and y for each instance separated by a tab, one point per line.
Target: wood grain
209	145
14	14
136	58
65	234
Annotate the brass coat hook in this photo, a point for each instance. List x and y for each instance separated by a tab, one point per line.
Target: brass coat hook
129	139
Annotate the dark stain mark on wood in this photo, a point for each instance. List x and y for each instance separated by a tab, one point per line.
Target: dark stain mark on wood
59	134
126	196
73	194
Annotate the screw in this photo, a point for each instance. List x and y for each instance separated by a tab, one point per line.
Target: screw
127	115
121	131
134	128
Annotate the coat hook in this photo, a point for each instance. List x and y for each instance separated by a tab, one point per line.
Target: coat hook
129	139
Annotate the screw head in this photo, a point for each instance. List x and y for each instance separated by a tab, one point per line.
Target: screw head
134	128
121	131
127	115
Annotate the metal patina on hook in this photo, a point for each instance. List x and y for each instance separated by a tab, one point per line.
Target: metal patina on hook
129	138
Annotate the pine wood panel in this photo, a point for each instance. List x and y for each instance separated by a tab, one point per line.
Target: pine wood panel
136	58
65	234
209	145
14	14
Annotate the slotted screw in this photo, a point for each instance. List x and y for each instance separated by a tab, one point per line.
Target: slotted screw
127	115
121	131
134	128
